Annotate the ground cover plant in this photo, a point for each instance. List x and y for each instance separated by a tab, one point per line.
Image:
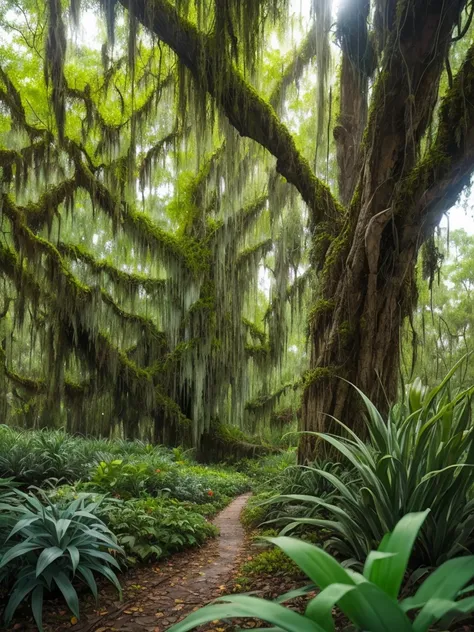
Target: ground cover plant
97	505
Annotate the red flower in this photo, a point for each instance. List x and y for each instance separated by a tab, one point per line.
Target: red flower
210	493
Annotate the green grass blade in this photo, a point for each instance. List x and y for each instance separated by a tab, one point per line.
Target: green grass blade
320	608
388	572
69	592
238	606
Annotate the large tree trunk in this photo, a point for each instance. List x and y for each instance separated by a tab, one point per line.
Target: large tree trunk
368	275
355	332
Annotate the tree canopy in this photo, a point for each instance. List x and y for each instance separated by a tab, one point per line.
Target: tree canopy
181	179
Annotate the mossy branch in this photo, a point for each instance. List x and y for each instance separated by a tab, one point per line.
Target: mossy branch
186	251
128	281
254	253
251	115
11	97
436	182
294	69
243	219
146	324
255	332
111	364
154	153
39	387
39	213
268	400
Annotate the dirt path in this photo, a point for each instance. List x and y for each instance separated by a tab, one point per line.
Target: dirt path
156	597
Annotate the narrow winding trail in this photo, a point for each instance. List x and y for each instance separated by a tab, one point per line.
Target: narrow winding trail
155	598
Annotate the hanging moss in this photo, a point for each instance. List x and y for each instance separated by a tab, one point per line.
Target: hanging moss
125	279
257	351
114	335
254	331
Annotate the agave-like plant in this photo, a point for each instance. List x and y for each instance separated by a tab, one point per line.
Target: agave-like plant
50	546
369	600
421	456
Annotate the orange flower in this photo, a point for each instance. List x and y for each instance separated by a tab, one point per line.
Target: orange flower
157	471
210	493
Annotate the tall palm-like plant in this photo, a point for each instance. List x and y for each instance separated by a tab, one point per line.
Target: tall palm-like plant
421	456
369	600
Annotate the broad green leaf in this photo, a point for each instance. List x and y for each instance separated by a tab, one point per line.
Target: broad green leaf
75	557
320	608
68	591
16	551
241	606
37	606
47	557
388	572
89	579
20	590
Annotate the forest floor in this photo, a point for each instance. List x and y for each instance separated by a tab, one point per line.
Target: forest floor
156	597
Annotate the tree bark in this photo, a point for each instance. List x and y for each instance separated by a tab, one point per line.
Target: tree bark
368	285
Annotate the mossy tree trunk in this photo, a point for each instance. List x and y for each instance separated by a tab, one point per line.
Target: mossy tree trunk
368	277
402	165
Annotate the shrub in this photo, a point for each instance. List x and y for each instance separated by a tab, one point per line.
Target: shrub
34	457
369	600
421	456
254	512
50	546
127	480
295	479
201	484
263	470
155	527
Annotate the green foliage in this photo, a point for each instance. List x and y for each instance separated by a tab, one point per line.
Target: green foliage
369	600
255	512
442	327
50	546
421	456
262	471
276	475
129	498
33	457
149	475
154	528
272	561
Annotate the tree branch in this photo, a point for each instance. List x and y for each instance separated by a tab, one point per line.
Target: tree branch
251	115
301	58
435	184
